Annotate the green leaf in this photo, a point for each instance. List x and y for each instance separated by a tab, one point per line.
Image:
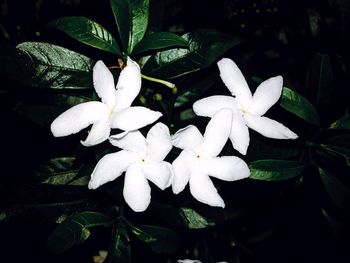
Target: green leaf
159	40
122	16
196	90
342	123
88	32
161	239
299	105
275	170
320	80
139	22
57	171
338	146
193	220
205	47
45	65
339	193
120	250
75	230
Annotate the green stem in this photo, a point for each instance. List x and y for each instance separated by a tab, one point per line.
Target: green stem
164	82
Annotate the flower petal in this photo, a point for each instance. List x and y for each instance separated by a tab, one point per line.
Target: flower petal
216	133
227	168
158	142
266	95
268	127
134	118
158	173
187	138
78	117
132	141
182	166
104	84
207	107
110	167
239	134
235	81
137	192
129	84
99	132
203	189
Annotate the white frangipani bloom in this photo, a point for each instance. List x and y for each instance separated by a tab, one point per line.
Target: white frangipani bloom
248	109
142	159
199	159
113	112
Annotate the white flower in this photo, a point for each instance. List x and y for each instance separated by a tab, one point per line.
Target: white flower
248	109
199	159
142	159
113	112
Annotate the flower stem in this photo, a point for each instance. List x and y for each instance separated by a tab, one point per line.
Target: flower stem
164	82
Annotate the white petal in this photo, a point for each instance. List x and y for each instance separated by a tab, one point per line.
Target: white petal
78	117
187	138
235	81
207	107
266	95
216	133
227	168
110	167
158	173
99	132
239	134
129	84
203	189
132	141
134	118
182	166
137	192
269	128
158	142
104	83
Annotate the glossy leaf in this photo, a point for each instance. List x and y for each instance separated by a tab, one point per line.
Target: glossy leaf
159	40
299	105
139	22
75	230
47	66
339	193
275	170
122	16
205	47
193	220
161	239
88	32
319	82
342	123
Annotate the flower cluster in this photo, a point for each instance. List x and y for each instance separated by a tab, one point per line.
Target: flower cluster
142	159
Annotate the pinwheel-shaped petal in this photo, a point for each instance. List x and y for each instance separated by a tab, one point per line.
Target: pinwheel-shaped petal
247	109
199	160
142	160
114	110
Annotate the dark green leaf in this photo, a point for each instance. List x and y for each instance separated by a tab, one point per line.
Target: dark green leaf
159	40
45	65
194	220
342	123
161	239
320	80
339	193
88	32
338	146
275	170
120	250
298	105
139	22
196	90
122	16
205	47
75	230
187	115
57	170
